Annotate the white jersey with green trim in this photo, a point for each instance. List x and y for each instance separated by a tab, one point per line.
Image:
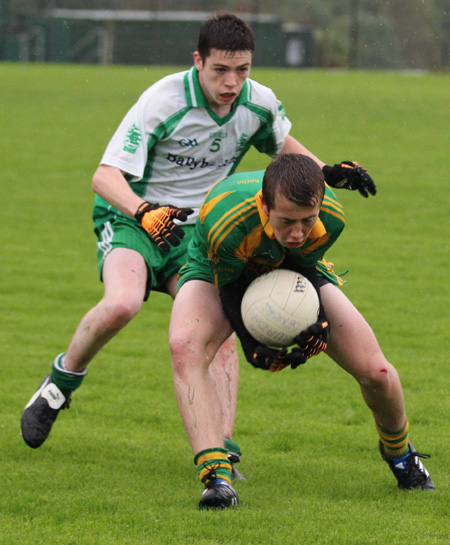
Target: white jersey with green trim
173	147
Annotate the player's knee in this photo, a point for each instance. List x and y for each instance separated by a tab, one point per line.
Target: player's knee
378	377
121	312
188	354
177	345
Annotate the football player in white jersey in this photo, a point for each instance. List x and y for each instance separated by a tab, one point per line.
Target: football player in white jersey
185	133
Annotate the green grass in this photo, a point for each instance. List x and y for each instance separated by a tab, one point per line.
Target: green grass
117	467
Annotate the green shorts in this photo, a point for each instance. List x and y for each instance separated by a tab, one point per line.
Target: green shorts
124	233
196	266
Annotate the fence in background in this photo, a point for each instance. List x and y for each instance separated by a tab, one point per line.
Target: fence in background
144	37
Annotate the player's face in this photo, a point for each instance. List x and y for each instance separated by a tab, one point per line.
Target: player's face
291	223
222	75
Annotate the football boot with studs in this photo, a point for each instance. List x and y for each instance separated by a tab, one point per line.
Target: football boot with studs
409	471
218	494
41	411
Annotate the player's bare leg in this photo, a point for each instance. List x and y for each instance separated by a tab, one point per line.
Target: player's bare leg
124	275
124	278
194	339
224	372
352	344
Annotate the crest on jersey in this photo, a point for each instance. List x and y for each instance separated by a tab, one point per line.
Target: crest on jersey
132	139
243	139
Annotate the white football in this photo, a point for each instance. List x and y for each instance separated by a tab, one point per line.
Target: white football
278	305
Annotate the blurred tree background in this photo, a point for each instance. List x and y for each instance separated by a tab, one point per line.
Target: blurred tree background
395	34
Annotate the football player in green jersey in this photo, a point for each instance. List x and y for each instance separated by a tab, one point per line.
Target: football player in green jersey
251	223
186	132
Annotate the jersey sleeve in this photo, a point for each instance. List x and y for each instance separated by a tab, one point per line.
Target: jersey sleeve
222	233
226	266
275	126
143	126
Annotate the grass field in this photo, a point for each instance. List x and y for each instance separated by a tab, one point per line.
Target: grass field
117	467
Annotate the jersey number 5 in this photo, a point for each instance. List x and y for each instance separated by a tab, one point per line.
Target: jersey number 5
215	146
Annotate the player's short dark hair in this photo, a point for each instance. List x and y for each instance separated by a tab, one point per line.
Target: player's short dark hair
225	32
296	177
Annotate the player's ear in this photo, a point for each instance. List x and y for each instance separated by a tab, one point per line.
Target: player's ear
198	62
264	206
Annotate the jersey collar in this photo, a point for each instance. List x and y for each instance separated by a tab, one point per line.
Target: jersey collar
264	217
194	94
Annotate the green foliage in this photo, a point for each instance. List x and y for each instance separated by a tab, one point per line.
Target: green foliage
117	467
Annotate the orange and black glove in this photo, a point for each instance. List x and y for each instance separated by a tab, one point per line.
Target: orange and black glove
350	175
312	341
158	222
275	359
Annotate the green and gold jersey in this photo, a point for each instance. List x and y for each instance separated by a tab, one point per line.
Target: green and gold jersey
173	147
235	235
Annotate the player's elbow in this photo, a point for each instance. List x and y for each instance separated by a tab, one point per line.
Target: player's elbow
97	180
104	176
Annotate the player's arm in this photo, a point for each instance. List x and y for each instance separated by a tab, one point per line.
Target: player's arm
346	175
110	184
291	145
227	270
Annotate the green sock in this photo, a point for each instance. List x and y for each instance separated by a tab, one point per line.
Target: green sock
66	381
231	446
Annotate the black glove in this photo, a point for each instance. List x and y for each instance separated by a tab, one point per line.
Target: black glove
158	222
312	341
350	175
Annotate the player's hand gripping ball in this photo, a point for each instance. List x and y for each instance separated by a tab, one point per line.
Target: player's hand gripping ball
311	342
278	305
280	309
